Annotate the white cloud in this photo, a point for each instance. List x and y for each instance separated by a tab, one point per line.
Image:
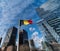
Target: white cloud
37	39
10	9
35	33
31	29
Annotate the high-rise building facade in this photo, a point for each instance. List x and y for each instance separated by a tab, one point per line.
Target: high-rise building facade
49	9
50	12
46	31
10	38
23	37
31	42
32	45
23	41
50	27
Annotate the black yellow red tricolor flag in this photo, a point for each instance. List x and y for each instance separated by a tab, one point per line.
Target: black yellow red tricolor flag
25	22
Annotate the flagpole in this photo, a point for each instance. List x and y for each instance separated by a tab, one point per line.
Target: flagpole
18	35
19	29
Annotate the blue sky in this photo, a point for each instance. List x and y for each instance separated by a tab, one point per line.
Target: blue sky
34	33
13	10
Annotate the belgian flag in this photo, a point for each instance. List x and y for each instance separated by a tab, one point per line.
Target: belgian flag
25	22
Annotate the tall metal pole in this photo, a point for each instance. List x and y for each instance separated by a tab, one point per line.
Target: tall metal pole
18	35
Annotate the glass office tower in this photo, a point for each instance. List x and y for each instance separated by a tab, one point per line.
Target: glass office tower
50	26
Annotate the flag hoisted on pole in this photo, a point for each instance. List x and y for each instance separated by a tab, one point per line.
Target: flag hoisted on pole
22	22
25	22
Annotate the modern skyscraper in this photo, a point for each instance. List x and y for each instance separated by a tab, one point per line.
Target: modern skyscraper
50	12
0	40
23	41
50	27
10	38
32	43
50	30
45	29
23	37
49	9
